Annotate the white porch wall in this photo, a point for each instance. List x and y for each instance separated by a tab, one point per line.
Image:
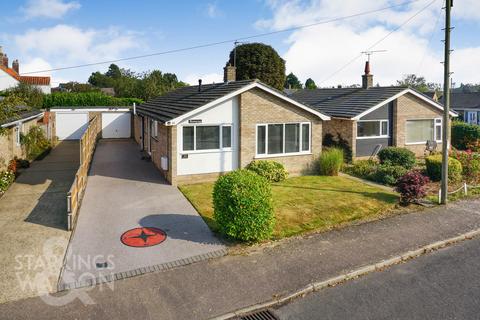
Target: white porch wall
211	161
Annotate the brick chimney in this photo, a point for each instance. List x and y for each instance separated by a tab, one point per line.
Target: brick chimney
16	66
5	60
229	73
367	78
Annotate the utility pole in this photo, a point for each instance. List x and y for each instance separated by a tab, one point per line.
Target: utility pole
446	107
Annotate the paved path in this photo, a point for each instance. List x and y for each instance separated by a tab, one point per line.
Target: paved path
33	220
210	288
442	285
125	192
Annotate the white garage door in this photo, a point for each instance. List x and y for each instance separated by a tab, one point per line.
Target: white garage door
116	125
71	125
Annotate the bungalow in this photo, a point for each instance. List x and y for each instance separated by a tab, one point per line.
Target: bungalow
467	104
370	118
196	133
10	146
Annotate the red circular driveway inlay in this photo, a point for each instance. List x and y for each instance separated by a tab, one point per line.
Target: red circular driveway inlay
143	237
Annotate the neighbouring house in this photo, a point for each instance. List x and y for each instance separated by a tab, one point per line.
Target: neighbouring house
69	123
372	117
10	146
197	133
10	77
467	105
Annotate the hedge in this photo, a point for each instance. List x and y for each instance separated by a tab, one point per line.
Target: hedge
464	135
434	168
396	156
85	99
271	170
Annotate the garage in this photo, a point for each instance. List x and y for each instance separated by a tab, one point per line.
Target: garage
116	125
70	125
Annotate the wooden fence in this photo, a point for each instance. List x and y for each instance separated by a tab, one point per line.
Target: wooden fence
88	142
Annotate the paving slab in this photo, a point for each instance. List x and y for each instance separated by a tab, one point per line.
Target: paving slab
124	192
33	216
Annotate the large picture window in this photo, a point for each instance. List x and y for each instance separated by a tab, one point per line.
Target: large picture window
372	129
421	131
283	138
206	137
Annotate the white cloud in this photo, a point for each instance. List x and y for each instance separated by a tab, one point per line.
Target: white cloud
320	51
192	78
34	65
53	9
213	11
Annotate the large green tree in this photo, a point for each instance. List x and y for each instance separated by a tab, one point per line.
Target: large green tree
259	61
310	84
417	82
292	82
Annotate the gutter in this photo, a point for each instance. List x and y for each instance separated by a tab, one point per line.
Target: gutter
17	122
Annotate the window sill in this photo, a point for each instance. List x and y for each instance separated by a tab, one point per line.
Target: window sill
281	155
419	143
205	151
376	137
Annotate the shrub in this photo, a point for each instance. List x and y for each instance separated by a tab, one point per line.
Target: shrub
271	170
397	157
329	141
465	136
330	162
411	186
6	179
388	174
434	168
74	99
242	203
362	168
470	164
35	142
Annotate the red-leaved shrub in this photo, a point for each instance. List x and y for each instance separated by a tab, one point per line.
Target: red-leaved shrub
411	186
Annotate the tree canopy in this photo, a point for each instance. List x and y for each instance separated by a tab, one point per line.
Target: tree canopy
258	61
417	82
128	84
292	82
310	84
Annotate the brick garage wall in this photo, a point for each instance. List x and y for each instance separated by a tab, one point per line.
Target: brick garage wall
137	127
6	148
409	107
257	106
346	128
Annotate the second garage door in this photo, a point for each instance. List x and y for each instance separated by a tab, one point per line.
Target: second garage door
71	125
116	125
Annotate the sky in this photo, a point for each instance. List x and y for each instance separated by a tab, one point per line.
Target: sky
47	34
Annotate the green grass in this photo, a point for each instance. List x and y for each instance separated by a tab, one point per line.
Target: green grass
308	203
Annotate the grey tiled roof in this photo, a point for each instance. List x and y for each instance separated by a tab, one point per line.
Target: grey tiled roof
22	113
464	100
183	100
345	102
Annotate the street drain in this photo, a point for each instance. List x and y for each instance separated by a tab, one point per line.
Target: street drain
143	237
260	315
101	265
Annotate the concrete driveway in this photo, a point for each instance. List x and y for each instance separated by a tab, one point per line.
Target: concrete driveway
33	218
124	192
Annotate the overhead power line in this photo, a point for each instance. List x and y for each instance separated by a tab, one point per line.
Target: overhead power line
378	42
211	44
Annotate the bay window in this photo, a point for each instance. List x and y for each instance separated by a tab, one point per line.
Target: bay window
421	131
283	138
372	129
206	137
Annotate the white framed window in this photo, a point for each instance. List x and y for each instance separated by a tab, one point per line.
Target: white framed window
154	128
206	137
18	132
419	131
371	129
275	139
471	117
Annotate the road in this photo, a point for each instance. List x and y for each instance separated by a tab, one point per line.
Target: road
441	285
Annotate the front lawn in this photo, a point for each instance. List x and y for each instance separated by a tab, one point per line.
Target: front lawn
308	203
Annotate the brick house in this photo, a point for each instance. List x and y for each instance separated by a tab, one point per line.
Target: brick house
369	117
196	133
10	146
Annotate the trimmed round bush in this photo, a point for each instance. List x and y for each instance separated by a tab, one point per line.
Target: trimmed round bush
411	186
434	168
388	174
243	207
362	168
396	156
330	162
271	170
